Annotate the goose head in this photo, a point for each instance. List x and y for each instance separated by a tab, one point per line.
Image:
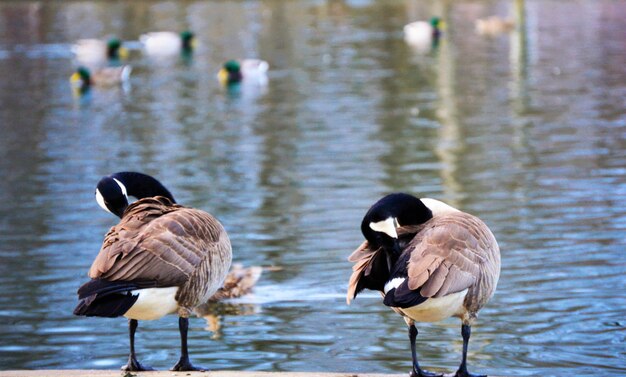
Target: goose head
112	196
380	224
112	191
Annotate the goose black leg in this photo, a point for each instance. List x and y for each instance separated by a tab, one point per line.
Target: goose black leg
466	331
183	363
133	365
417	371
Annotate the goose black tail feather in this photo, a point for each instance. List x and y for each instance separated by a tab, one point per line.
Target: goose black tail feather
101	298
403	297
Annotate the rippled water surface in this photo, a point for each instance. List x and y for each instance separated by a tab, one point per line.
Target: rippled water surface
525	129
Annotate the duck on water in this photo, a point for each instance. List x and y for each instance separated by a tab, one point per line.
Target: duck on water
430	261
162	258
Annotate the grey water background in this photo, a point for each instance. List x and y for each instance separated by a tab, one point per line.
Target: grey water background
526	129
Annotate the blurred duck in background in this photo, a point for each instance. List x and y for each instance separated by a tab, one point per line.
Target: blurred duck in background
83	78
163	44
253	71
422	35
494	25
97	52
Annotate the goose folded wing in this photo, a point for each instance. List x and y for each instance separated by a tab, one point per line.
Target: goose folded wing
446	259
164	249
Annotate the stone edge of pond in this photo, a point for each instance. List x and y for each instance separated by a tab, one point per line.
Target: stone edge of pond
114	373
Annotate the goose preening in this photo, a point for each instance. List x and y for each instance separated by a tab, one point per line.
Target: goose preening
422	35
253	71
167	43
430	261
112	196
83	78
162	258
95	52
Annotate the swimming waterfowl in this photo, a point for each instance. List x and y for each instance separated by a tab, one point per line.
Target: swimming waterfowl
245	70
493	25
423	35
82	79
430	261
162	258
96	52
168	43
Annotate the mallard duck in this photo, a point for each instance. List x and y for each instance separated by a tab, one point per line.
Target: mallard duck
429	260
162	258
96	52
494	25
423	35
168	43
83	79
245	70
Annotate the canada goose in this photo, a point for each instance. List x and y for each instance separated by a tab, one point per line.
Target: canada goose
246	70
423	35
162	258
493	25
96	52
168	43
429	260
82	79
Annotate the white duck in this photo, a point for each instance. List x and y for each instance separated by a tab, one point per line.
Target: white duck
245	70
167	43
423	35
96	52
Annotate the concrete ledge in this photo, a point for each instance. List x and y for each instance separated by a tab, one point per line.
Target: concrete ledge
112	373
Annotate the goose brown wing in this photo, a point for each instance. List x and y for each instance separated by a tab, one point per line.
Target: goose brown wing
157	241
447	254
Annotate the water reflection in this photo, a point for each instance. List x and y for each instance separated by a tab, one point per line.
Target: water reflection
523	129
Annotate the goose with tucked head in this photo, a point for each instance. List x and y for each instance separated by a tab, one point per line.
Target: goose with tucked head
430	261
162	258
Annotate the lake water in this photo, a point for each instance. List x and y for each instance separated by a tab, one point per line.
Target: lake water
525	129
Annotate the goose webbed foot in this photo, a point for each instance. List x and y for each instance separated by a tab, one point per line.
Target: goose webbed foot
184	365
135	366
419	372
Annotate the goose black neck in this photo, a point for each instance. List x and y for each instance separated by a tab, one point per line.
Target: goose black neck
142	185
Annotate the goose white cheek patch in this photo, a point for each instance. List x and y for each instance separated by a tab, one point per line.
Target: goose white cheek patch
122	187
387	226
100	201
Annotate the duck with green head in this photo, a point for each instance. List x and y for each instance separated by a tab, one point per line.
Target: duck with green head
82	79
167	43
423	35
245	70
96	52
